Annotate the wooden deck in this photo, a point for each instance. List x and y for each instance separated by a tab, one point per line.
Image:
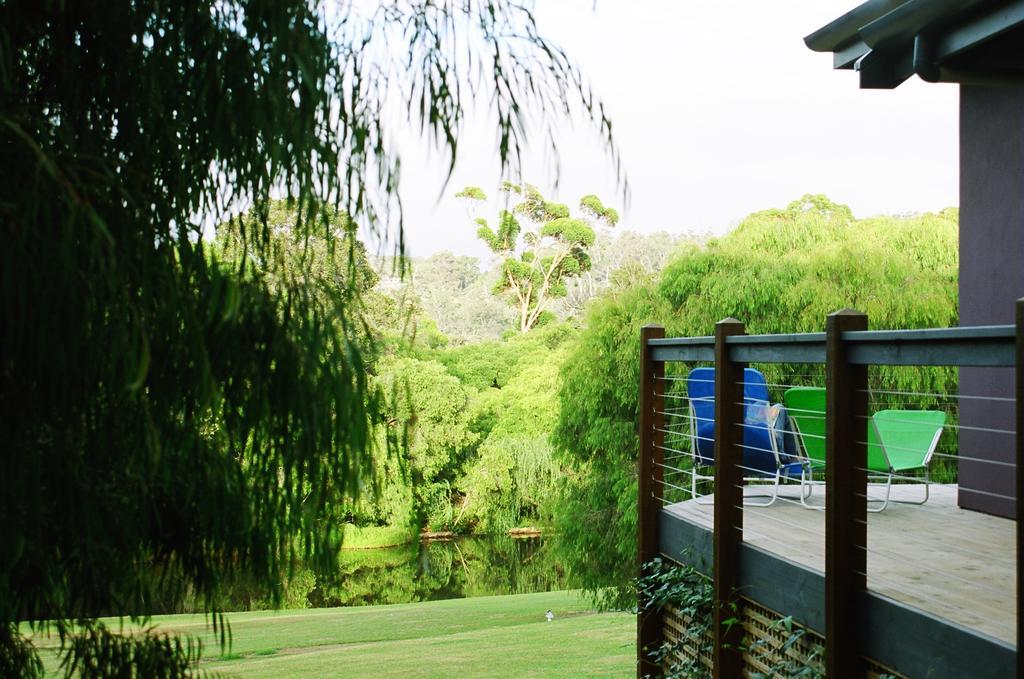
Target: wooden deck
955	564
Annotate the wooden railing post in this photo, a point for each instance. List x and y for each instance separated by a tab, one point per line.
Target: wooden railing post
846	485
728	534
650	487
1019	495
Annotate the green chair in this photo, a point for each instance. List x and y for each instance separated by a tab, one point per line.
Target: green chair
898	441
901	441
805	407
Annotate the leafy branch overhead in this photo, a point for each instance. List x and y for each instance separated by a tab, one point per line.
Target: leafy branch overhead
181	413
537	262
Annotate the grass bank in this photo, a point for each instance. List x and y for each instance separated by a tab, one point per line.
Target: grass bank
373	537
498	636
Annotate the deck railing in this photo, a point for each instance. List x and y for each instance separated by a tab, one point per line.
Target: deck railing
846	350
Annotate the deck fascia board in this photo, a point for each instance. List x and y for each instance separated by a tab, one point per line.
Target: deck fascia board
923	644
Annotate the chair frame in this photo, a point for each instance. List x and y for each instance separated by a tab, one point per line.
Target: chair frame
807	470
882	477
775	480
892	471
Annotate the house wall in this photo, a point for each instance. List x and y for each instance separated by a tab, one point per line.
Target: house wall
991	279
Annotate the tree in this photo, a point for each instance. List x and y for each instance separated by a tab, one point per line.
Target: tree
174	415
445	271
596	443
431	405
330	261
455	293
628	259
514	477
536	268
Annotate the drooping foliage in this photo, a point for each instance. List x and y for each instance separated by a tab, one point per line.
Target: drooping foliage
478	417
778	271
432	405
785	270
513	478
537	265
174	415
596	441
475	419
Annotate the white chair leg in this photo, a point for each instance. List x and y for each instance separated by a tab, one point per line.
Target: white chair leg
927	487
774	496
699	499
885	502
888	495
810	487
810	490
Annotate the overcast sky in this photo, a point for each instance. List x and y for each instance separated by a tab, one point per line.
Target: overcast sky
719	110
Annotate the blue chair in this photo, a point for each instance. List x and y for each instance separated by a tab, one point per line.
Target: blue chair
768	449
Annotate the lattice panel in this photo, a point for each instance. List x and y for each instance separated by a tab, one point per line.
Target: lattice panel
686	650
765	640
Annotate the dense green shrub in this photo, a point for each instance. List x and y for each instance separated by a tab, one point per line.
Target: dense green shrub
785	270
512	479
595	436
432	407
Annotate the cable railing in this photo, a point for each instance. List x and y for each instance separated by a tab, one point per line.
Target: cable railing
843	453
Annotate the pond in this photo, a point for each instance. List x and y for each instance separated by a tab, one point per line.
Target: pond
448	569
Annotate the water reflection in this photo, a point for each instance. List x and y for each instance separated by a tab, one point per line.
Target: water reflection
452	569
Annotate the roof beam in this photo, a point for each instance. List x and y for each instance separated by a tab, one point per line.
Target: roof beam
880	71
845	57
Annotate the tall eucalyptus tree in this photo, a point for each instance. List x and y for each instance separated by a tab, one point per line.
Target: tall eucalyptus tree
536	265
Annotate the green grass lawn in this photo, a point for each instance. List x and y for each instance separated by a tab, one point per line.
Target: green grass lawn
498	636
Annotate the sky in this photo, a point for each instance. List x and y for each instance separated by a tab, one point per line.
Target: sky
719	110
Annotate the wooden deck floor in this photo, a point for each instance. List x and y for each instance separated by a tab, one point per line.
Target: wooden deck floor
953	563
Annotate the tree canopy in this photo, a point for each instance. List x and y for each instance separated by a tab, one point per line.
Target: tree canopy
779	271
175	412
537	264
456	293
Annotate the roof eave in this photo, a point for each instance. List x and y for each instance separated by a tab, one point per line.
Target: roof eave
843	31
889	41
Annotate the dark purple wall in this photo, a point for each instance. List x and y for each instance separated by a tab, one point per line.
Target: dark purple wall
991	279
